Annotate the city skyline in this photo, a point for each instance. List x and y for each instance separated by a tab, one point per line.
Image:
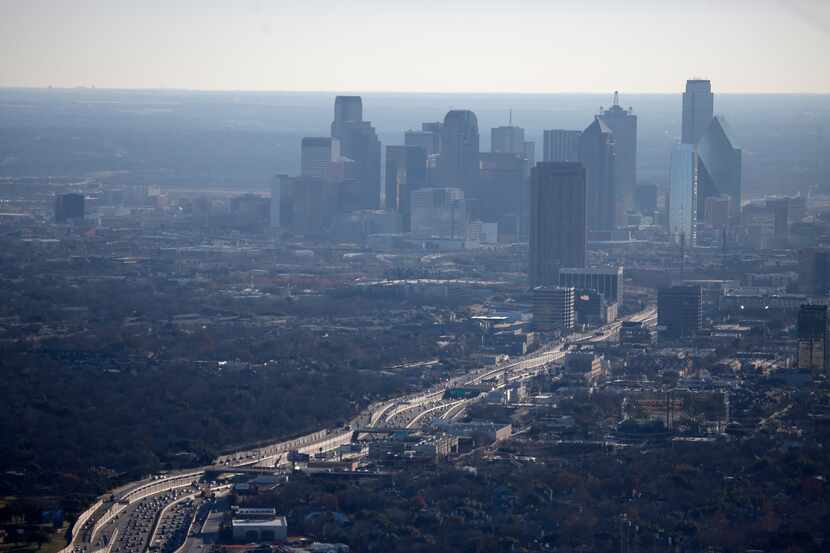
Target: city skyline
258	46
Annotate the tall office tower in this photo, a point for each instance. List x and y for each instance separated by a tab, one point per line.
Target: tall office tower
645	198
503	191
307	205
814	271
68	207
439	213
607	281
557	220
276	200
347	110
717	211
458	164
317	155
597	155
406	170
507	140
561	145
698	108
683	194
720	166
623	123
780	208
429	141
358	143
529	152
553	308
679	311
814	340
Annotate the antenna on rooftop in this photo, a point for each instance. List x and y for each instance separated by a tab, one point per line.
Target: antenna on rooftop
510	117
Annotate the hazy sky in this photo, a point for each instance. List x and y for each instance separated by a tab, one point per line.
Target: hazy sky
417	45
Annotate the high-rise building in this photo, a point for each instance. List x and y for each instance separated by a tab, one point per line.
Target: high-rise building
430	141
623	123
683	194
439	213
68	207
596	153
458	164
557	220
358	143
698	108
780	208
553	308
645	198
307	205
276	198
502	187
717	211
507	140
529	151
561	145
814	340
814	271
720	167
679	311
608	281
406	170
317	153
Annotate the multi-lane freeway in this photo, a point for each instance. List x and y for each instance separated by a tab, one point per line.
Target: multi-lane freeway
152	513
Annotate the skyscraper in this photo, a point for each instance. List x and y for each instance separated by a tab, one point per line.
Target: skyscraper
814	339
720	166
814	271
507	140
406	170
623	123
561	145
69	206
597	155
553	308
317	155
557	220
439	213
458	164
683	194
679	311
698	108
358	143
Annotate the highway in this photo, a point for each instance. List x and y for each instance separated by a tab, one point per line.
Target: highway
123	521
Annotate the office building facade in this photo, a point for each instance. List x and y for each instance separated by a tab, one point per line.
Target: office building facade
623	125
507	140
69	207
561	145
317	156
458	163
679	311
698	109
553	309
607	281
683	194
813	336
359	144
406	170
720	167
557	220
439	213
596	153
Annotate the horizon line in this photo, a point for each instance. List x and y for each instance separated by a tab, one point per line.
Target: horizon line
356	91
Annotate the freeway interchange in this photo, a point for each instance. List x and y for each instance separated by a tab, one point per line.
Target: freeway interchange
171	513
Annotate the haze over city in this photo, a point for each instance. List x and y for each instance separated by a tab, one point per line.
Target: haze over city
414	277
429	46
